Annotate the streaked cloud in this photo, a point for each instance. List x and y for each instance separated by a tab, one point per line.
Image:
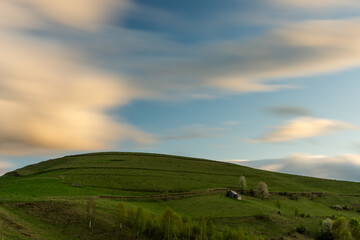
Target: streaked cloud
52	97
81	14
304	127
231	123
258	64
342	167
58	83
320	5
286	111
193	132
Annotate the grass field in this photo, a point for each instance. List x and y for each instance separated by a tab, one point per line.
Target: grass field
47	200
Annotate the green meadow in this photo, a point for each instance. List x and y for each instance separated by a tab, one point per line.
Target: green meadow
48	200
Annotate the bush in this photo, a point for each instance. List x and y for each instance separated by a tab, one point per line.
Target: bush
301	229
262	217
337	207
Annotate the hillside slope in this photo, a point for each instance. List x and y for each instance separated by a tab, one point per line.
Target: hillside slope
191	187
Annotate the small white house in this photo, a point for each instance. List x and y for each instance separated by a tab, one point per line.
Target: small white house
233	194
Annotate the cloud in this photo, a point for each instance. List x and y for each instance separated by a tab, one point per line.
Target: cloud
57	83
320	5
80	14
289	111
193	132
304	127
52	97
5	166
258	64
231	123
342	167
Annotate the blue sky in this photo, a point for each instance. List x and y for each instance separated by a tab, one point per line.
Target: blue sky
226	80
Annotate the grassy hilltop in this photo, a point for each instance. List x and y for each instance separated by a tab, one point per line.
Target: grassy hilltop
47	200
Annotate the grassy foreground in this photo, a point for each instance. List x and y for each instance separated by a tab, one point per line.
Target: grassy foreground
48	200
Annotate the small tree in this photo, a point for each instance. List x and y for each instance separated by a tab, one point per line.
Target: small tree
297	212
90	211
278	204
354	225
326	230
262	190
242	184
121	210
340	229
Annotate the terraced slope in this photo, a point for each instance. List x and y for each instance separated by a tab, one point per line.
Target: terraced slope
192	187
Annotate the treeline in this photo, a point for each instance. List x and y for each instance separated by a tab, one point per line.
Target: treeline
170	226
340	229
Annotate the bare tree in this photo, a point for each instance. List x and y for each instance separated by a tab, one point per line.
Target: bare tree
262	190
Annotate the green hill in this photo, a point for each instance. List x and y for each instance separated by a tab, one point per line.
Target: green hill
47	200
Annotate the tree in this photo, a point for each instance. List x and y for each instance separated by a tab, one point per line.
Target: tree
121	210
354	225
340	229
262	190
278	204
140	221
326	230
297	212
242	184
90	211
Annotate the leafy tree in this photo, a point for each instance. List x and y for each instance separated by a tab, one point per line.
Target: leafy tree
139	221
340	229
262	190
242	183
121	211
354	225
90	211
202	227
131	213
210	228
278	204
166	222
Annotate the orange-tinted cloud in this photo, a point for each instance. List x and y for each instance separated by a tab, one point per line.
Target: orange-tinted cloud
51	97
304	127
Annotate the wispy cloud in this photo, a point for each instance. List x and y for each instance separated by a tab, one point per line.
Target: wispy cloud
342	167
320	5
286	111
57	82
304	127
193	132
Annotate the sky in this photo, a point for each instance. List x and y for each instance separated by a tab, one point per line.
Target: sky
269	84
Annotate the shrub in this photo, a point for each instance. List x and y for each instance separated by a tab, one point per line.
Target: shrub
337	207
301	229
262	217
252	192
